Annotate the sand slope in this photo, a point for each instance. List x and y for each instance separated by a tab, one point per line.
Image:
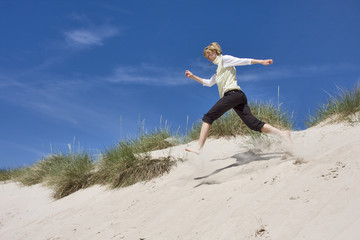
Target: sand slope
236	194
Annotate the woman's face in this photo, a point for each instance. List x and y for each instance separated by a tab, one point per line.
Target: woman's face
211	55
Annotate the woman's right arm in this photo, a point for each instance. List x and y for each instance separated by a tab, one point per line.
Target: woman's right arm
192	76
205	82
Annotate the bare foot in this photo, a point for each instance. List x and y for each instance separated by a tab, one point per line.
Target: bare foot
286	135
193	150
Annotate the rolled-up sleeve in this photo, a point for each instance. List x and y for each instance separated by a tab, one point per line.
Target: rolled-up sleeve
230	61
209	82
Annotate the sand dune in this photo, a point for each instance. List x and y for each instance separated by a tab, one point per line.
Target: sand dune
232	191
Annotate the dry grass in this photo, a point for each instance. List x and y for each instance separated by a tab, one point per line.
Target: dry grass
64	173
122	165
343	106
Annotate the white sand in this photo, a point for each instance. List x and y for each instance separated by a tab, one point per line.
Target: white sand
239	195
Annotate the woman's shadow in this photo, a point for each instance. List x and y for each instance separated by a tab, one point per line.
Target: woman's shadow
241	159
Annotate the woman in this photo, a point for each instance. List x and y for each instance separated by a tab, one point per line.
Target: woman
230	93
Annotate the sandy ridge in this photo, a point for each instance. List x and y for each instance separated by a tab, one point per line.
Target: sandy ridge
228	192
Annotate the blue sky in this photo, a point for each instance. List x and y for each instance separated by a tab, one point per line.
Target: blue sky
85	72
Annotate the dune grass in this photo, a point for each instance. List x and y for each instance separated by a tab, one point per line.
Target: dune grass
154	140
129	161
124	164
64	173
340	107
72	172
10	174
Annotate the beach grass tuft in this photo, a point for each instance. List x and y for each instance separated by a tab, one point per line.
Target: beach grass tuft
39	171
64	173
343	106
129	162
9	174
71	173
154	140
124	164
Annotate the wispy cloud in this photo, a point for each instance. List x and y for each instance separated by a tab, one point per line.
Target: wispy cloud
86	37
51	95
58	99
147	74
7	82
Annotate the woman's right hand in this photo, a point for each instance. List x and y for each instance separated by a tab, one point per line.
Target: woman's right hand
189	74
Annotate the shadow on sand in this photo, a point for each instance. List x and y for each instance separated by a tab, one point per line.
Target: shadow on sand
241	159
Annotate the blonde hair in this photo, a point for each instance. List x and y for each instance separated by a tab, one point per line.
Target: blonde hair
211	48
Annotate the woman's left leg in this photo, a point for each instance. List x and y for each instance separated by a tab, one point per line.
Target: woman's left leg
226	103
253	123
267	128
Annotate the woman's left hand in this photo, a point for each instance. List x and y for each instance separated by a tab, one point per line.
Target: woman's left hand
267	62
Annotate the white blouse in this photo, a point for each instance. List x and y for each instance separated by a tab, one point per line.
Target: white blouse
225	75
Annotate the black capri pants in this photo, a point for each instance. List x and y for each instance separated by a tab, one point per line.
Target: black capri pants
237	100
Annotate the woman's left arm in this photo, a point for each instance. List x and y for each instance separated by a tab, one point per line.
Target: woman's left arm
230	61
